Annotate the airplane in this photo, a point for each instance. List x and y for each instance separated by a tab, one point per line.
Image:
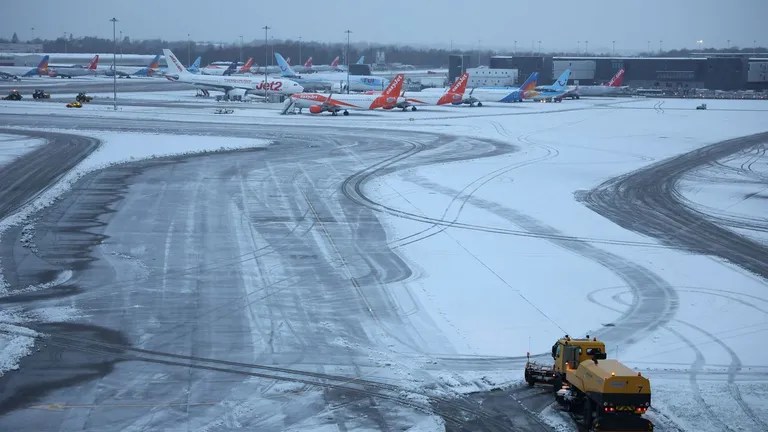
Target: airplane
454	95
334	66
246	68
68	71
129	71
318	103
555	92
234	87
336	81
17	72
612	87
218	69
478	95
305	68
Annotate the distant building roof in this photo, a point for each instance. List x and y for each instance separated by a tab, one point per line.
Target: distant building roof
21	48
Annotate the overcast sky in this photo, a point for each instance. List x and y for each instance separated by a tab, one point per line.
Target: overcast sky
490	24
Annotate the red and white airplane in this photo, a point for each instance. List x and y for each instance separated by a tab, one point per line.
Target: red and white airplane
318	102
68	71
613	87
454	95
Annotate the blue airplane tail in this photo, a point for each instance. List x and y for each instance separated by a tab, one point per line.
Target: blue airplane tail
41	69
361	60
195	66
285	68
147	71
562	80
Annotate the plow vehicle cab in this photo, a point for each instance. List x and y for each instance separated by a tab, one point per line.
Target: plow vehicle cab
601	394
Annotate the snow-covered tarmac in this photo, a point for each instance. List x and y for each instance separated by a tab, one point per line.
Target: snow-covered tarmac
504	256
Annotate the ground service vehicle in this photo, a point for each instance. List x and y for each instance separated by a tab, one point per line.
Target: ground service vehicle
601	394
702	107
82	97
40	94
74	104
13	95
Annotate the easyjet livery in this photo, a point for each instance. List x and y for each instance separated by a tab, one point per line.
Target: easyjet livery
454	95
318	103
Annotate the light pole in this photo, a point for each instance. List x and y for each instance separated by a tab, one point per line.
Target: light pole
515	50
65	42
189	52
33	34
700	43
272	57
241	49
649	48
300	61
121	45
613	50
586	47
660	42
539	47
479	42
266	60
347	57
114	60
729	44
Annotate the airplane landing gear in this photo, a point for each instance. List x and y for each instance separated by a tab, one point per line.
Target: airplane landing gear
413	108
346	113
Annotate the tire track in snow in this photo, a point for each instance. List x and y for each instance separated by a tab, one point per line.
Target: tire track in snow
655	301
647	201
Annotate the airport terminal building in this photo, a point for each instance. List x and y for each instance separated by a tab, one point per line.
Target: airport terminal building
714	72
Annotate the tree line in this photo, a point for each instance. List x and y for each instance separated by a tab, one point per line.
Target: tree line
321	53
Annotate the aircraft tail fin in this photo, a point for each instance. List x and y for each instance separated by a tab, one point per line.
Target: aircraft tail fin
285	69
361	60
394	87
174	65
42	68
308	63
230	69
562	80
455	93
94	63
247	66
335	62
530	83
617	79
195	66
288	60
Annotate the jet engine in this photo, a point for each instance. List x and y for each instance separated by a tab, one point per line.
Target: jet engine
236	94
